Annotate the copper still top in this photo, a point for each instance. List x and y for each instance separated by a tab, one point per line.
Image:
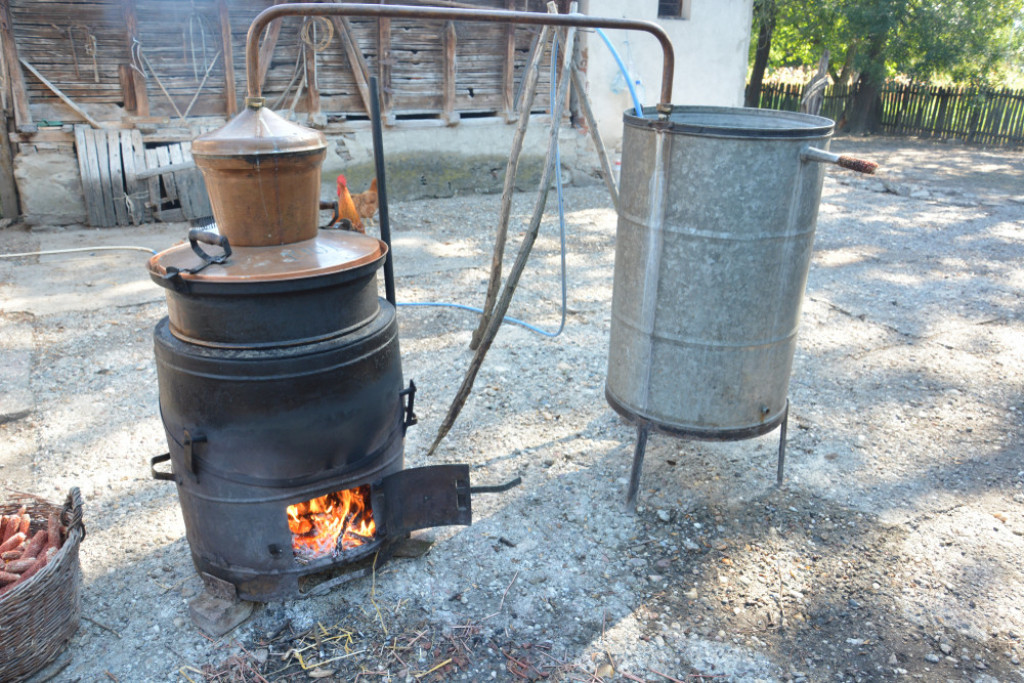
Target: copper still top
257	130
262	173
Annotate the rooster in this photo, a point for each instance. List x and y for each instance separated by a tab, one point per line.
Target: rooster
366	202
346	212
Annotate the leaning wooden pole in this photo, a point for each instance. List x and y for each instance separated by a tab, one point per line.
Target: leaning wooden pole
511	169
595	134
524	252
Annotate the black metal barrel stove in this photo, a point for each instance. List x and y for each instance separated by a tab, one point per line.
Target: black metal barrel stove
281	388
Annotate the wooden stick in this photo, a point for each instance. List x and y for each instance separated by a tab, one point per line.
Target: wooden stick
230	98
101	625
16	79
524	250
202	83
312	87
595	134
360	71
532	74
131	23
509	68
160	83
160	170
384	62
57	91
449	42
267	48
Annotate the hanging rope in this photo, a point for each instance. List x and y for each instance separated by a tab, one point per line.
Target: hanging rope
90	47
308	34
194	37
136	54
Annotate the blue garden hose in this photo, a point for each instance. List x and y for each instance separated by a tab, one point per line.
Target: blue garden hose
558	188
625	74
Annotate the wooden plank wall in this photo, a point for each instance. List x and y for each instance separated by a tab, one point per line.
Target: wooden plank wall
181	38
180	41
52	36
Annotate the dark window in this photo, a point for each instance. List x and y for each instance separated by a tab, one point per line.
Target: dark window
673	9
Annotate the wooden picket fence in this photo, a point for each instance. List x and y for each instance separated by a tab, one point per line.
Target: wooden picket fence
975	115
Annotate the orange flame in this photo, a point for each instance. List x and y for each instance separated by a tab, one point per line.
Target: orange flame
331	524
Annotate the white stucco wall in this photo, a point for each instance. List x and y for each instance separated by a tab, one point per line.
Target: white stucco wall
711	57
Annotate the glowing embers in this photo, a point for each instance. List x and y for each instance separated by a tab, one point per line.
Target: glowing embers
331	524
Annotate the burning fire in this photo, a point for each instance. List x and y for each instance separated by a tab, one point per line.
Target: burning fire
331	524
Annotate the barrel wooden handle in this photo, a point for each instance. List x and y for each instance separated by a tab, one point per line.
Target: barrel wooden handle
859	165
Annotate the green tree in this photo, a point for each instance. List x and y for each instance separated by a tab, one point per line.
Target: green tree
871	40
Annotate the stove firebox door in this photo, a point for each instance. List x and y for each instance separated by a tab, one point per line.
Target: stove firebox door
422	497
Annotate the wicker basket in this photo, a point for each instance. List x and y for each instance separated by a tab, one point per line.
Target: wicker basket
38	617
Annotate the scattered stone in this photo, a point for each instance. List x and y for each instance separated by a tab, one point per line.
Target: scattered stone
217	616
412	547
933	658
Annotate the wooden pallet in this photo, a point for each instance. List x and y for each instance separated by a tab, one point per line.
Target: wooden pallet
123	182
179	193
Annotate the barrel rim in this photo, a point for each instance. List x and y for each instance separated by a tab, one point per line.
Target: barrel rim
692	432
799	125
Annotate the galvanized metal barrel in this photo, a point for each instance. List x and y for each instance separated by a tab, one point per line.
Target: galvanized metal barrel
717	214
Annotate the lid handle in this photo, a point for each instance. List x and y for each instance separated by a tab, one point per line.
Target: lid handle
214	240
173	274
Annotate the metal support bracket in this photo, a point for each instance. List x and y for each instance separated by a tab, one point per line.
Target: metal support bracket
187	442
408	399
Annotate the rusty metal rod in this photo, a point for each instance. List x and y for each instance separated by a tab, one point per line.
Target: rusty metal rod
307	9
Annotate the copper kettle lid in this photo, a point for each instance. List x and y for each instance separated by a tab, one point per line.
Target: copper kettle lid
330	252
258	131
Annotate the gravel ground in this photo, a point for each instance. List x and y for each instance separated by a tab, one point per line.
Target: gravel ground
893	550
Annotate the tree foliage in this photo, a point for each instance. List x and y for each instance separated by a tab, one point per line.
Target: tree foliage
871	40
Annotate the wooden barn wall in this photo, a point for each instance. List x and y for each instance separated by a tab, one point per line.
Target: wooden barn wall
51	36
179	40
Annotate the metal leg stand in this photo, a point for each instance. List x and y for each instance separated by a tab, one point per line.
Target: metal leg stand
782	444
642	430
